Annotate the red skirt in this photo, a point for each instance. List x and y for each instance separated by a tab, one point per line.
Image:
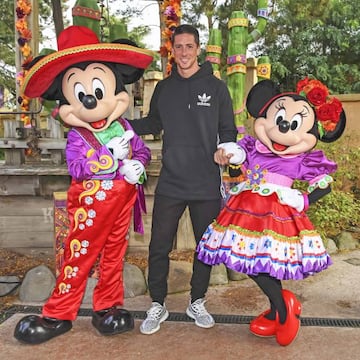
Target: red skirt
256	234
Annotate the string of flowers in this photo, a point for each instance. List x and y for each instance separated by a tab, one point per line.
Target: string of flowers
171	14
327	108
23	10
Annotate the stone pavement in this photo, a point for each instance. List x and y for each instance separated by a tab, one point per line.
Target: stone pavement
330	325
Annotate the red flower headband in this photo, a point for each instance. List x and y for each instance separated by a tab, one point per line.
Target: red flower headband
327	109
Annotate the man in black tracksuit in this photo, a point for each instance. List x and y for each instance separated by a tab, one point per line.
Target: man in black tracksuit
193	109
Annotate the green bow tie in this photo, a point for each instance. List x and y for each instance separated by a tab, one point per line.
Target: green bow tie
115	129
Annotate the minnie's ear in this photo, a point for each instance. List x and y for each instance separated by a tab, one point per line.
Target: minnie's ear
331	136
259	95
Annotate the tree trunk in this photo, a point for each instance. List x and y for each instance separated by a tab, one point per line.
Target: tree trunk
57	16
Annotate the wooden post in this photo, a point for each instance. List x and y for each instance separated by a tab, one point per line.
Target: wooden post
11	130
151	78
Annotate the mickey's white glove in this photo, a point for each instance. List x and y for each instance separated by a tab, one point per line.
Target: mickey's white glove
119	145
291	197
238	152
132	170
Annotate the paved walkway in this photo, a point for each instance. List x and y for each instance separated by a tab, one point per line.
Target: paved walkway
330	325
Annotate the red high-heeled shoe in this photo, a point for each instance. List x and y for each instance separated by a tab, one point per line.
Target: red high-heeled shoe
261	326
287	332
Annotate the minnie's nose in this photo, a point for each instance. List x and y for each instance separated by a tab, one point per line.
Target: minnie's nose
284	126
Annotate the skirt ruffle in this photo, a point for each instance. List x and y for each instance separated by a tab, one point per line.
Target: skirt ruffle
264	237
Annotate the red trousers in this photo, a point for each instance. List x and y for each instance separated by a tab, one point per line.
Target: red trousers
99	213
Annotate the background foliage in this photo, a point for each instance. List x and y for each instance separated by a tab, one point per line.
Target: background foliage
339	210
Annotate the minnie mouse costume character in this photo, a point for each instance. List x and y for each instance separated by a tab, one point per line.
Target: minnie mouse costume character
263	230
106	161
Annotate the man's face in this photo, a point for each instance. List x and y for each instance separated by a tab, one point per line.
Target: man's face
186	51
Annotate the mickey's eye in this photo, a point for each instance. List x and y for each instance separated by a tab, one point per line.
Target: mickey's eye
280	116
79	91
296	122
98	89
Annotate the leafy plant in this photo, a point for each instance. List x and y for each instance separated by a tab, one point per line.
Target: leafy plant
334	213
339	210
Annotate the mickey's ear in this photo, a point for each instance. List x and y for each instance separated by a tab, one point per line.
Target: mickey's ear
259	95
129	74
331	136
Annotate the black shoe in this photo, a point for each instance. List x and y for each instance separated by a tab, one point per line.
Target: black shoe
112	321
33	329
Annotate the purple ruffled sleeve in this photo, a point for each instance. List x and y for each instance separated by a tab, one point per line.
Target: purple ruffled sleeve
314	165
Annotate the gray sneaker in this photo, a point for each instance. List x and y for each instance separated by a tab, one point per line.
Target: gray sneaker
155	316
197	311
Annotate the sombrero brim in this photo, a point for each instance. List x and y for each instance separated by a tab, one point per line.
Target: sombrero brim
42	74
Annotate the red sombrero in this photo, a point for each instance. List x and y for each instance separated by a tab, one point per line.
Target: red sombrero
77	44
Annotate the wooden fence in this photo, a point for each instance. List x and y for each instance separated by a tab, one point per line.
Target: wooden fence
28	182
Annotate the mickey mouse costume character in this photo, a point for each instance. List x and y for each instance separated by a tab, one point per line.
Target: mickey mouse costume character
106	161
263	230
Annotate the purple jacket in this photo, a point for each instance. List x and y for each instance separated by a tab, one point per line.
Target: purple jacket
85	161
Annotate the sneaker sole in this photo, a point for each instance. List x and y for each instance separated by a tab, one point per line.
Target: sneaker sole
161	320
190	315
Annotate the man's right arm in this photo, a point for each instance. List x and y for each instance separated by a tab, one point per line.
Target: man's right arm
151	124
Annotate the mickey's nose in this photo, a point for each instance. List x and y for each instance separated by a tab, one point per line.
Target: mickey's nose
284	126
89	101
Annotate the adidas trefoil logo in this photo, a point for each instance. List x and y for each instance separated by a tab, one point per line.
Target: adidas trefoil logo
204	100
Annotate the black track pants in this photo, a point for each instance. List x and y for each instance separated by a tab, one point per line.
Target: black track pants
165	218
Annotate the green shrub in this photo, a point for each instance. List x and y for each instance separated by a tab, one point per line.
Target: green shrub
339	210
334	213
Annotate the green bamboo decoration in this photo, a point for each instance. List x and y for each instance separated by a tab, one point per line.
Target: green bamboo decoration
87	13
239	39
213	51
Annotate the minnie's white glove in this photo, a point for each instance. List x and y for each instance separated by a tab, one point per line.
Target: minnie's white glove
132	170
238	152
291	197
119	145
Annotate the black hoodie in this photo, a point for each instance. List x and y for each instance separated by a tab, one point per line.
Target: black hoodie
195	115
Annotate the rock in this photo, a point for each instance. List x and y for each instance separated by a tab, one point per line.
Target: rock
8	284
37	285
90	286
134	281
218	275
134	284
179	276
331	247
236	276
345	241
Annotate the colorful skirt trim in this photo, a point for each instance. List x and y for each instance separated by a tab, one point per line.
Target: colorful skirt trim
254	234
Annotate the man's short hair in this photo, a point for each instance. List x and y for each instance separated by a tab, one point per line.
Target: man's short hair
186	29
